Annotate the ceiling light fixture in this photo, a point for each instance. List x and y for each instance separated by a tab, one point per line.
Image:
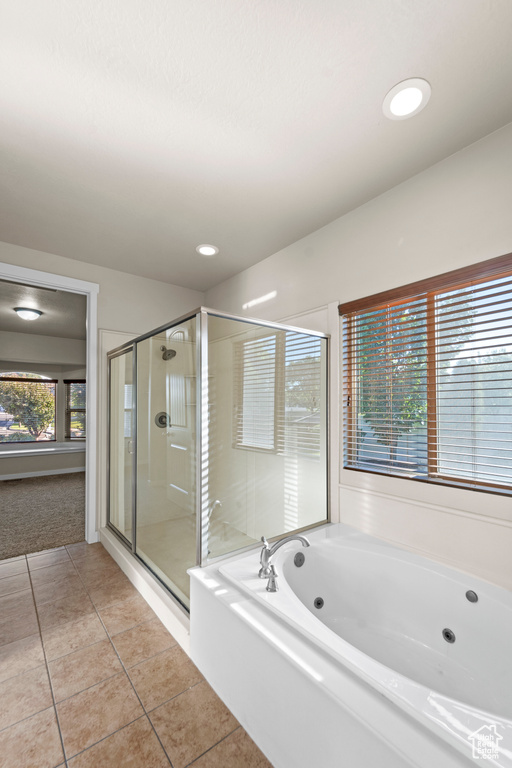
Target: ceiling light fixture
26	313
207	250
406	99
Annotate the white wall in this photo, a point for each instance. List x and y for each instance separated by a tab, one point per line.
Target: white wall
456	213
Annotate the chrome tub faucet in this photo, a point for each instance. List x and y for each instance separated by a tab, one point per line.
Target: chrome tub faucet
267	570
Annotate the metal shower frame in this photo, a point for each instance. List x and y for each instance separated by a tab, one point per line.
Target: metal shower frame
201	315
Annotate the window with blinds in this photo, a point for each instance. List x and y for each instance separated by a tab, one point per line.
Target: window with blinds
27	408
428	379
76	394
255	387
278	393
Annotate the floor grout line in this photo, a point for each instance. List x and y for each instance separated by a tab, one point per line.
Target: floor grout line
145	714
124	669
87	688
48	672
24	719
135	691
108	737
92	686
18	674
82	648
213	746
172	698
104	738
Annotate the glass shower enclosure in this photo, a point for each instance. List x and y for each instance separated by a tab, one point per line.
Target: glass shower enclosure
217	436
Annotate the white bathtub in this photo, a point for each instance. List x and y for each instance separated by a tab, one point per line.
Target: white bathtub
369	678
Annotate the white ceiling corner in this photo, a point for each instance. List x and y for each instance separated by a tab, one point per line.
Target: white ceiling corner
131	131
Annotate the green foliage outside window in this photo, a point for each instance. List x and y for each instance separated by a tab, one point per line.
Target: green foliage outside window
30	403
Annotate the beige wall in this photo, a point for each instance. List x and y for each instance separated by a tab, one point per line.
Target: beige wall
125	303
45	464
262	492
455	213
25	347
59	359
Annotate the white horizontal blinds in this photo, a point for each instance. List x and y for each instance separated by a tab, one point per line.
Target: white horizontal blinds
301	416
255	392
385	388
75	394
474	382
428	384
75	408
28	413
278	393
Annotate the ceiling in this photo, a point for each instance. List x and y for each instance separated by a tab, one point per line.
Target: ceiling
133	130
64	313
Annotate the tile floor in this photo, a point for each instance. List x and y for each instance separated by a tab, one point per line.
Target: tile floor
90	678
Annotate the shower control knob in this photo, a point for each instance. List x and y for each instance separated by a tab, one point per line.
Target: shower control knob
162	420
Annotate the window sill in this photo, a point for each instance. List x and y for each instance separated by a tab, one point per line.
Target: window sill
468	485
46	448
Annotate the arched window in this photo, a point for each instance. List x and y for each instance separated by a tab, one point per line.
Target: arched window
27	407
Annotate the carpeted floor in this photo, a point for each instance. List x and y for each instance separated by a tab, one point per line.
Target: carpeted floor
41	513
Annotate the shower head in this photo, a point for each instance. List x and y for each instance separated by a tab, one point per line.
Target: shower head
167	354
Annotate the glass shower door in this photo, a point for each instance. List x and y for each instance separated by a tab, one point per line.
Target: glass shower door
267	449
166	455
122	443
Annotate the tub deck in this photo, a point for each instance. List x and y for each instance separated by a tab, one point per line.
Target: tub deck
303	692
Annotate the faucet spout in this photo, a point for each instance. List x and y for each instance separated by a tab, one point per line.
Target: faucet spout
213	506
268	551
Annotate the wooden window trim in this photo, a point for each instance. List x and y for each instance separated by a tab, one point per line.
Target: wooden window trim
447	482
32	381
429	288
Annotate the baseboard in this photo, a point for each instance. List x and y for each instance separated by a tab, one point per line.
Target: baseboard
21	475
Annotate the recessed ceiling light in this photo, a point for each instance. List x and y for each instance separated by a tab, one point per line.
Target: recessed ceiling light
207	250
406	99
27	314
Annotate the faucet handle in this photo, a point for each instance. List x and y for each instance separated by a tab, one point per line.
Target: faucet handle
272	580
264	571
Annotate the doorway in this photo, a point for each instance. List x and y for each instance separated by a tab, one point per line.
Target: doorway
44	280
